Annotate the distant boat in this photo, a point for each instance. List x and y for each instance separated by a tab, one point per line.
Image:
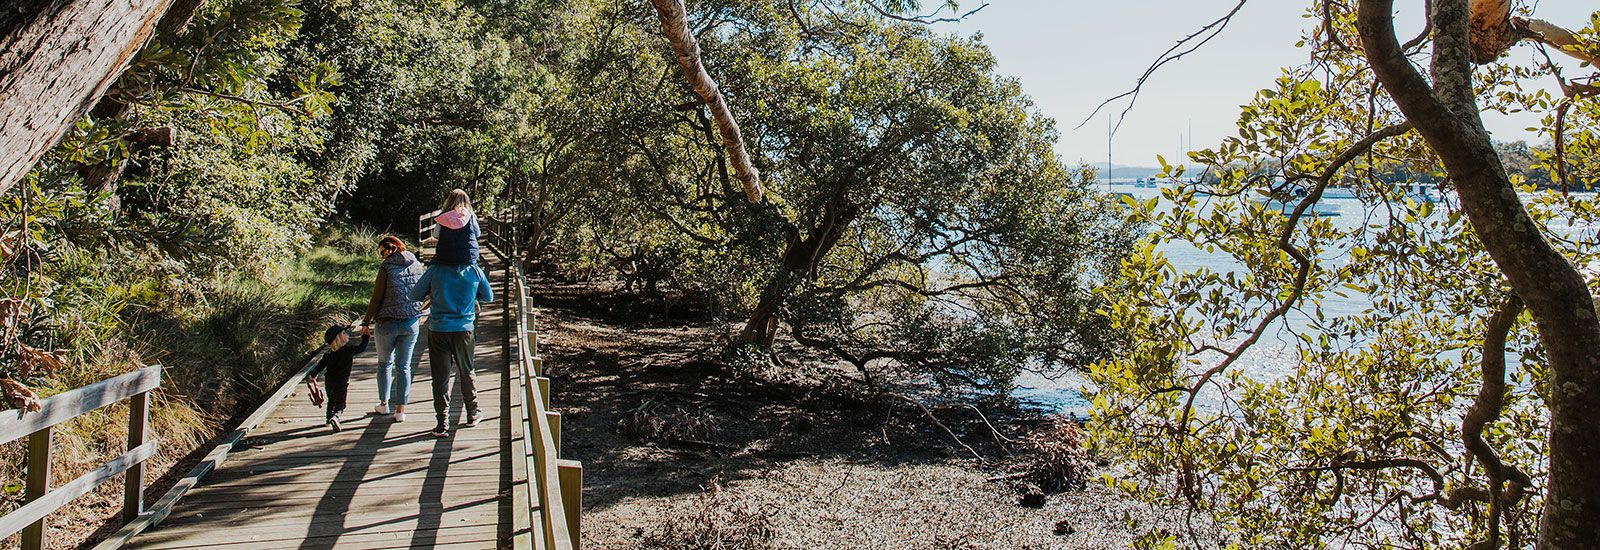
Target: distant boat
1317	209
1339	193
1429	193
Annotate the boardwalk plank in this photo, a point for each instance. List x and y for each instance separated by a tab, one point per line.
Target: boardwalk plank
377	484
466	536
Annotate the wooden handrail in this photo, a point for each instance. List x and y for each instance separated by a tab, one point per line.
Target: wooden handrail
214	459
14	424
556	485
425	225
38	426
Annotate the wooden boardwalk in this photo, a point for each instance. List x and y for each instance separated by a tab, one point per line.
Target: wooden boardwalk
378	483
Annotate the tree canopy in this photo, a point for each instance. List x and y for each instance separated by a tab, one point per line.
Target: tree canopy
1444	410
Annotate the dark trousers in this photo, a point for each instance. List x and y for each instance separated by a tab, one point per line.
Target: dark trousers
447	352
337	381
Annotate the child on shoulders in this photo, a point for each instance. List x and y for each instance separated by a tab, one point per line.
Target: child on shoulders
457	231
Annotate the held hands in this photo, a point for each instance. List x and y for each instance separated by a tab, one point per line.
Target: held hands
365	330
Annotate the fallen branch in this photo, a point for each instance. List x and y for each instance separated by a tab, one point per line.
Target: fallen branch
941	425
1008	477
1002	440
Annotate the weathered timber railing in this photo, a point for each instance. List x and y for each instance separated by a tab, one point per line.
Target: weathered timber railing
554	494
40	499
424	234
214	459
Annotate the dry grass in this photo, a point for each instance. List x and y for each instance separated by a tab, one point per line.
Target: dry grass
659	420
717	520
843	503
1055	458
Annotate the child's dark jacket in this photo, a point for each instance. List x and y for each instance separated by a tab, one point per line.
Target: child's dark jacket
336	363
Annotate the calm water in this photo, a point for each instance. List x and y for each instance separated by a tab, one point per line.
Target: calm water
1273	354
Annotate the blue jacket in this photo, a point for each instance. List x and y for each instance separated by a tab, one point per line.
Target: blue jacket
456	291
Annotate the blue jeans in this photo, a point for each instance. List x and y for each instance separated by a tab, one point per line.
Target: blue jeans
397	338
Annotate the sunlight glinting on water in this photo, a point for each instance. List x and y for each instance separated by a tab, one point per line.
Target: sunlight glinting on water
1275	354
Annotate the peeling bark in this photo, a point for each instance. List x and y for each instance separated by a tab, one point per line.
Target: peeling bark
1494	31
57	58
1552	288
675	25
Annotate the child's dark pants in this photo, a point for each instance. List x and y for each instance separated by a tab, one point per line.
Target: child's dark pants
338	381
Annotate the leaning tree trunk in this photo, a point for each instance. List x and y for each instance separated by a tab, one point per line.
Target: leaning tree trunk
675	25
800	262
57	58
1446	114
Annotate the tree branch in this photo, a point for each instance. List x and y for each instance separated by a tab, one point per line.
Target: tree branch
675	25
1193	42
929	19
1302	272
1486	409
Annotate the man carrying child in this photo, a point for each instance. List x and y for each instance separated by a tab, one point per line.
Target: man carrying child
456	285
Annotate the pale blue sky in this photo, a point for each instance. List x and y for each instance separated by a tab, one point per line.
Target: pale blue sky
1072	54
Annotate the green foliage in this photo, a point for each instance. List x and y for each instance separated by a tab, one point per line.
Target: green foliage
949	244
949	227
1354	437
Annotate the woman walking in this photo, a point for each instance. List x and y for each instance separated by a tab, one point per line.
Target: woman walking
396	315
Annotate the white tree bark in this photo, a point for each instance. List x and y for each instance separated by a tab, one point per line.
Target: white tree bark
56	59
675	25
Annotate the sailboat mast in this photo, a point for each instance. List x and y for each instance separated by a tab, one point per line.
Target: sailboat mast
1108	152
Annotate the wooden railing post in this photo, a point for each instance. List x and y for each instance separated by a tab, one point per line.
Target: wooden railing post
571	474
554	420
34	536
133	483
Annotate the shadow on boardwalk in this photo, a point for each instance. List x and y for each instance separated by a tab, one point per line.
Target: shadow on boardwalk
377	484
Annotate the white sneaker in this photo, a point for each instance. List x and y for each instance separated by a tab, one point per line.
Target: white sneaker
399	417
382	408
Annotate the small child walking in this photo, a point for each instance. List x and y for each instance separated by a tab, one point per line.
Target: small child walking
335	370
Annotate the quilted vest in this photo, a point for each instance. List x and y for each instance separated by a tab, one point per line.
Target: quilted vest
404	271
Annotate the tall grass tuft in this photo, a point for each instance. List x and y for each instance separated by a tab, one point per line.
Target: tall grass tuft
225	345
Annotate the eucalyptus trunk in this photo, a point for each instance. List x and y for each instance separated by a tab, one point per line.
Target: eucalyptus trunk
58	57
675	25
